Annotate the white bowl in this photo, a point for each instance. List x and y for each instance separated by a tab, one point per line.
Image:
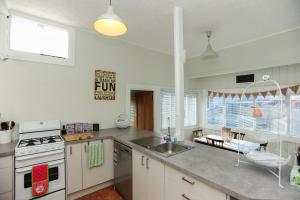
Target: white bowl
5	137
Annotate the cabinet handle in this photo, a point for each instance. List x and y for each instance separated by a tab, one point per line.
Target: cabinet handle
84	147
142	160
147	163
71	151
190	182
184	196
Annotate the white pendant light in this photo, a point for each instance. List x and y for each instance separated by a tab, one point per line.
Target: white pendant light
110	24
209	51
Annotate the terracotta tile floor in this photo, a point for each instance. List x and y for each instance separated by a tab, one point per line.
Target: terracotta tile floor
104	194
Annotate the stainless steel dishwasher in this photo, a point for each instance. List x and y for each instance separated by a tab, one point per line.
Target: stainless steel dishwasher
123	170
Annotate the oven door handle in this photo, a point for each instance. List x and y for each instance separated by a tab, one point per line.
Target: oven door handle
39	155
26	169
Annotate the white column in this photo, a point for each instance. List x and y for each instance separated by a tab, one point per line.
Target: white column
179	59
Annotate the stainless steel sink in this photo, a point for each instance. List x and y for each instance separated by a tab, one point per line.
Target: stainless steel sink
164	148
148	142
171	148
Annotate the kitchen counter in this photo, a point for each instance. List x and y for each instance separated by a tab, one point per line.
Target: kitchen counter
214	167
8	149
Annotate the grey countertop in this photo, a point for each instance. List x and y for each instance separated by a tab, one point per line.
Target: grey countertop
212	166
7	149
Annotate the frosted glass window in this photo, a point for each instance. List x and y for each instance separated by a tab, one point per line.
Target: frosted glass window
38	38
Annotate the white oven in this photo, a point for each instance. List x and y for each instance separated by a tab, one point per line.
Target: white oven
56	188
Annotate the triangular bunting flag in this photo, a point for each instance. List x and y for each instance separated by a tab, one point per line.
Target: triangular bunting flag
295	88
273	92
215	94
247	95
209	93
220	94
232	95
284	91
255	95
264	94
226	95
240	95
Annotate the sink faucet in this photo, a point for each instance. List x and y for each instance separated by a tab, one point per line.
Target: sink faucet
168	137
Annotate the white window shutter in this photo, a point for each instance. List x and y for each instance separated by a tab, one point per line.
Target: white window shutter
167	99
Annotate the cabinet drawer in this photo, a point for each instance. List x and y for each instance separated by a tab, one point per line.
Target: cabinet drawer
191	188
205	192
6	162
184	180
6	177
6	196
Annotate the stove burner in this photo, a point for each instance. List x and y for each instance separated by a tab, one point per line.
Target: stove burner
39	141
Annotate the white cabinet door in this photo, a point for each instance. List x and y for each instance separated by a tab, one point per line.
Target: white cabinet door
148	177
74	168
155	179
173	191
96	175
6	196
6	177
139	176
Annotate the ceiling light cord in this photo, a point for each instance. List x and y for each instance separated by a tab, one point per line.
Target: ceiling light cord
209	52
208	33
110	2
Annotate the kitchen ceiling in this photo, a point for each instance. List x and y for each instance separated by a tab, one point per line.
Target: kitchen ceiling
150	22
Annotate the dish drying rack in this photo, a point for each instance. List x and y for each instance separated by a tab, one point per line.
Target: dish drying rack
270	161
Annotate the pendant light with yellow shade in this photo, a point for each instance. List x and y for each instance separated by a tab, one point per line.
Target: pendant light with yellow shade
110	24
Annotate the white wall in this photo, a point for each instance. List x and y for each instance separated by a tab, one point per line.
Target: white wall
36	91
276	50
285	75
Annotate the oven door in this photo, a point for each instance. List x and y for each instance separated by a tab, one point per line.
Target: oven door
24	180
60	195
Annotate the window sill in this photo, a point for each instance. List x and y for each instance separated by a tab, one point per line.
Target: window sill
39	58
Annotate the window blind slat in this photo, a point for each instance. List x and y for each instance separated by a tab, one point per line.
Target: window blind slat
226	112
295	115
168	109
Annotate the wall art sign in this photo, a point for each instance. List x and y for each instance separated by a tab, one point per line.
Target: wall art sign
105	85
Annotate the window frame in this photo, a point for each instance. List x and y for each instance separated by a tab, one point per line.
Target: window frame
27	56
289	115
197	108
287	135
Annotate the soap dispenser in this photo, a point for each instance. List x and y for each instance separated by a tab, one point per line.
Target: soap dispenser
295	173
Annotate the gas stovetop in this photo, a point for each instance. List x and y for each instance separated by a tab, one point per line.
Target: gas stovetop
39	137
39	145
39	141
